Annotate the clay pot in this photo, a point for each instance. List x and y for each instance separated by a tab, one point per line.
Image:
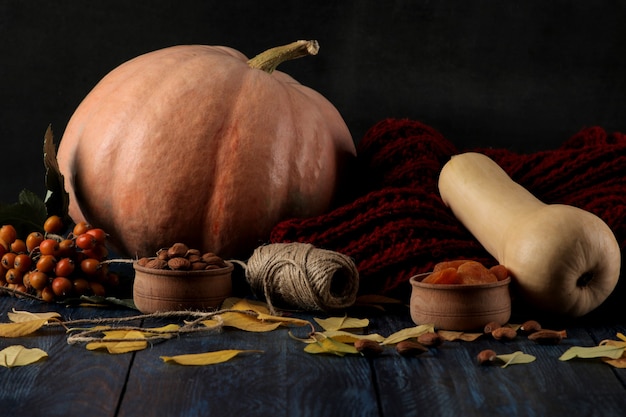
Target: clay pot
166	290
459	307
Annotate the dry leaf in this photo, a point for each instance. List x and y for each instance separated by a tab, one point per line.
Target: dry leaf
207	358
408	333
347	337
603	351
18	355
617	363
116	347
450	336
21	328
339	323
234	303
325	344
282	319
17	316
516	358
166	331
245	322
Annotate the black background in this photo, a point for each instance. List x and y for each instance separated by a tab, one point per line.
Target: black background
524	75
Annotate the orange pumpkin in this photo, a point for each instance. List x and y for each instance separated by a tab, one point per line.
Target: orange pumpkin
198	144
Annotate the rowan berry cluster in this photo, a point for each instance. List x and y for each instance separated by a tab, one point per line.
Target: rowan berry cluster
54	267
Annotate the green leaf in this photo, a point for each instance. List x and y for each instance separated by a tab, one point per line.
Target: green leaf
516	358
57	199
603	351
27	215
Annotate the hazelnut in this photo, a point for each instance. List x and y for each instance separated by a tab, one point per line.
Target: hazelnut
530	326
486	357
368	347
430	339
409	348
548	337
143	261
491	326
156	263
177	250
179	264
504	333
162	254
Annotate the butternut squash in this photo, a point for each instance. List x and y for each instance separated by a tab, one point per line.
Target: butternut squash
562	259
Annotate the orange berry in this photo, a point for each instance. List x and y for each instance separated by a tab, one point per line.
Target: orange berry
86	241
49	247
53	224
64	267
18	246
67	248
38	280
97	289
8	260
62	286
80	228
8	233
13	276
98	233
22	262
33	240
46	263
90	266
47	294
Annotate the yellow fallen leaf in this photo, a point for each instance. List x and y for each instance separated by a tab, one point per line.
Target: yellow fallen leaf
166	331
17	316
450	336
602	351
20	329
282	319
245	322
207	358
347	337
408	333
516	358
328	345
18	355
339	323
116	346
234	303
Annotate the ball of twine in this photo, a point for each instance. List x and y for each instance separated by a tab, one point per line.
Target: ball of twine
303	276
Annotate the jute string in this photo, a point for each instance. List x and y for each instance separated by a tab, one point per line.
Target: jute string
302	276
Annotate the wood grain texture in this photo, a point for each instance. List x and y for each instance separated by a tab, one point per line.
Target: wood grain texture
281	381
447	381
286	381
72	381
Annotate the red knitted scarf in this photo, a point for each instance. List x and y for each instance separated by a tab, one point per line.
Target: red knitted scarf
397	226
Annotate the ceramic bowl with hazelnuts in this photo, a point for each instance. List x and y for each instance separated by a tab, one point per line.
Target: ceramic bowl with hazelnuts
181	278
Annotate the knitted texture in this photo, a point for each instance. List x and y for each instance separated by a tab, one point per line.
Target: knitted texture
397	225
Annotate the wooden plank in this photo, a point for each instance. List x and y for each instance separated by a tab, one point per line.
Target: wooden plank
72	381
282	381
448	382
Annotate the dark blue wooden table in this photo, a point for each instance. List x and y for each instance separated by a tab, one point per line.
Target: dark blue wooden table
286	381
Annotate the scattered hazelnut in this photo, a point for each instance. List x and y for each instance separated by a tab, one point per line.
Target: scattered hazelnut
410	348
368	348
156	263
491	326
430	339
530	326
486	357
548	337
504	333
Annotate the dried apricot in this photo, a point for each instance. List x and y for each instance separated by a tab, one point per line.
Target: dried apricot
444	276
473	272
449	264
500	272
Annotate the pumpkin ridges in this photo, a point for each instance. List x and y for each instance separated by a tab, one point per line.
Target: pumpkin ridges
238	208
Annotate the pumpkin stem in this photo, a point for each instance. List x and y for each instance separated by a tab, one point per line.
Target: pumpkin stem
268	61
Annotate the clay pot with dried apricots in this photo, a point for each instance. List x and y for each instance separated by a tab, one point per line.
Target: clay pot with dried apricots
199	144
